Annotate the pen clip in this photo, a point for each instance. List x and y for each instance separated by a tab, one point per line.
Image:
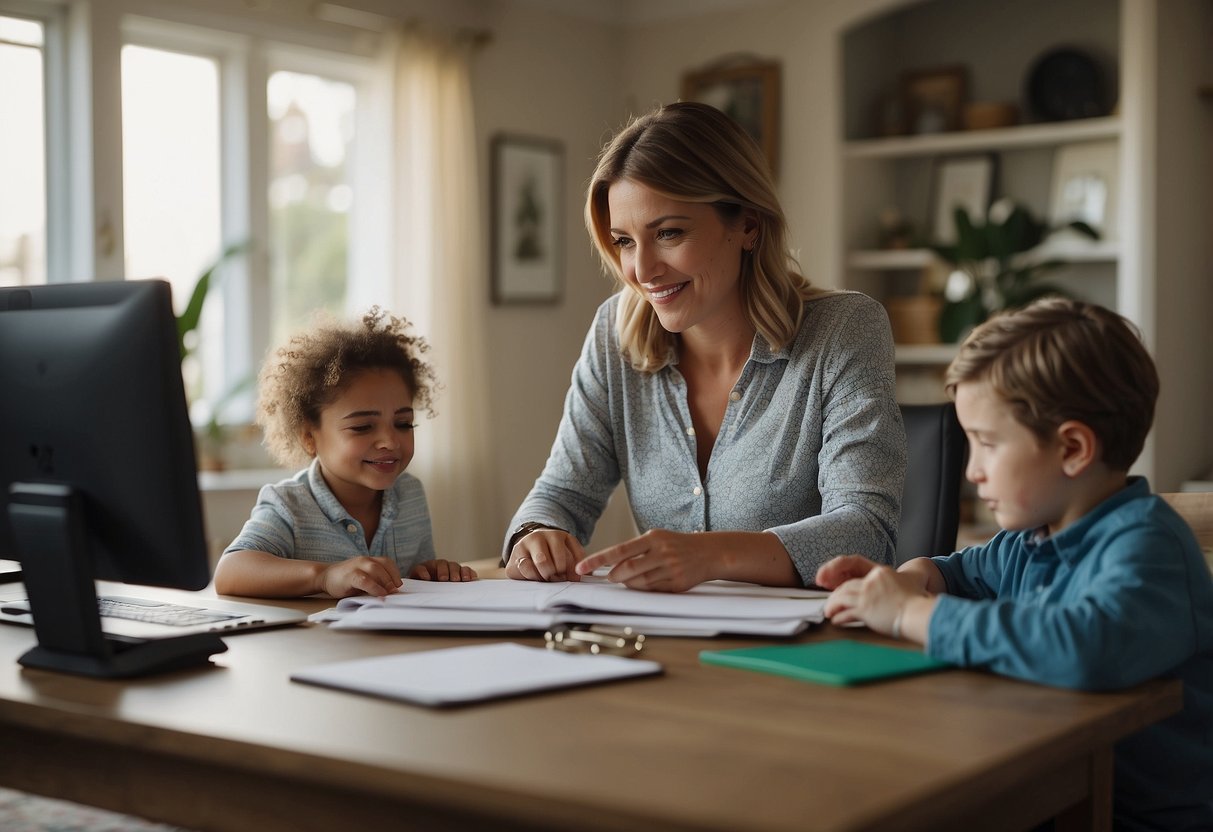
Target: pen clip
595	640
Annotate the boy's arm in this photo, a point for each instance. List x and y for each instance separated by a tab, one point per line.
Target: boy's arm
1126	616
925	568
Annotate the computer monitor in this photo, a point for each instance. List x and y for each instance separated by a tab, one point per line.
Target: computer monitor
97	472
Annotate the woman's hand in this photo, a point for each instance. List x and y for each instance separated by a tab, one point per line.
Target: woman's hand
442	570
360	576
545	555
657	560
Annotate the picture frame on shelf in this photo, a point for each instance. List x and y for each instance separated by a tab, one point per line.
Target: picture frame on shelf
1085	186
960	181
527	219
748	90
932	100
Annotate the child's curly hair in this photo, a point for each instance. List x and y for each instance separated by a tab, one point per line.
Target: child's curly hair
315	366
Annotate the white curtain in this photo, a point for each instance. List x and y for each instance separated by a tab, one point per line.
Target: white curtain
439	284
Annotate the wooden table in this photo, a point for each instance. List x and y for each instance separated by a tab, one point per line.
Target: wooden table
240	747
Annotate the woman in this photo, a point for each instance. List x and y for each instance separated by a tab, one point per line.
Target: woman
751	417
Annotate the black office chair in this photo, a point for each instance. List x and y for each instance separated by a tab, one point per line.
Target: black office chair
930	504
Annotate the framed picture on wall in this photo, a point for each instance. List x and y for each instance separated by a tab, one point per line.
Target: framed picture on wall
1085	178
527	219
747	91
933	99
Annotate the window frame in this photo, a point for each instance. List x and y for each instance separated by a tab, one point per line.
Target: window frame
84	223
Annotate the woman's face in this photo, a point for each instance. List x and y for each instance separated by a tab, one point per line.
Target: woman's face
680	255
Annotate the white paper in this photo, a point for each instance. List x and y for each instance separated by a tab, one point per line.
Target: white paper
495	605
458	675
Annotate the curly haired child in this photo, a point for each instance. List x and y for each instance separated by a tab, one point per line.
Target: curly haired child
352	522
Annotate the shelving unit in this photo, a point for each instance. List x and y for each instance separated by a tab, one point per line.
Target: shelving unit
1153	266
973	141
897	172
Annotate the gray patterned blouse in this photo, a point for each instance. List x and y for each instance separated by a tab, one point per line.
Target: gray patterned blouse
811	448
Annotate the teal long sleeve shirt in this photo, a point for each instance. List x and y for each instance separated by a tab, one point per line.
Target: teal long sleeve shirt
1121	596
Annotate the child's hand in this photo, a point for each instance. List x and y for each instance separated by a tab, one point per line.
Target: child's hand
442	570
877	599
837	571
360	576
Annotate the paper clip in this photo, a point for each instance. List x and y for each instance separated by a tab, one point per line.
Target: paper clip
618	641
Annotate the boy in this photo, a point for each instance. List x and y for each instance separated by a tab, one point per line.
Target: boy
1095	583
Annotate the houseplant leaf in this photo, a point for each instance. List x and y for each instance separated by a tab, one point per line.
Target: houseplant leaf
187	321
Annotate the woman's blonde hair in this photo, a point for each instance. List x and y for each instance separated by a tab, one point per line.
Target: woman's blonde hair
314	367
695	153
1057	360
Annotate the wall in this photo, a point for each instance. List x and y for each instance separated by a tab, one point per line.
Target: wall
805	38
553	76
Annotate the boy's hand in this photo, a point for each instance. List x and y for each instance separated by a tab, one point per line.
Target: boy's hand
360	576
877	599
442	570
837	571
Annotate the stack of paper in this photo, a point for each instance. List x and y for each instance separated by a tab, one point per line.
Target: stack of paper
707	610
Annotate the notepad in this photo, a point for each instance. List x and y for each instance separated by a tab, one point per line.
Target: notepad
838	662
460	675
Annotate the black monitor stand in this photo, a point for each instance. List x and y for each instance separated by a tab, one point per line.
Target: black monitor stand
50	532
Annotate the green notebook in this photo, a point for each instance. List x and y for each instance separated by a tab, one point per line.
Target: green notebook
839	662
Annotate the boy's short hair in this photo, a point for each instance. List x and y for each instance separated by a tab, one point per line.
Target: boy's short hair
1059	359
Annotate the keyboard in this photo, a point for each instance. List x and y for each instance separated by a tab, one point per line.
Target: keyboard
176	615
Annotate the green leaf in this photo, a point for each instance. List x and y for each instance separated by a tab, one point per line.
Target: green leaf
1081	227
187	321
958	317
970	242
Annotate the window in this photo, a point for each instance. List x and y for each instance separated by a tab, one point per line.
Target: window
312	126
22	152
223	137
171	185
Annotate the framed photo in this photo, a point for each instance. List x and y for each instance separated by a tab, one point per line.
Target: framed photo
963	181
933	99
1085	178
527	219
749	93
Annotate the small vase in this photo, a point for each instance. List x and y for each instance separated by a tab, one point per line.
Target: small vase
915	320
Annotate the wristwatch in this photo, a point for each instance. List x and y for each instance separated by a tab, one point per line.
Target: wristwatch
523	530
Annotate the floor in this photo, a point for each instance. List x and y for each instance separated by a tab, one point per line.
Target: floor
21	812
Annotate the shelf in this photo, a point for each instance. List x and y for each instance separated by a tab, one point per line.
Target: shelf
240	479
1066	249
927	355
890	259
1003	138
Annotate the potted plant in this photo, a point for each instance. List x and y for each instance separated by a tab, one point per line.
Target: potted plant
994	268
213	435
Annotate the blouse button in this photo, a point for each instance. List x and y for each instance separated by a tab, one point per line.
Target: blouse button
735	396
697	491
690	431
351	528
